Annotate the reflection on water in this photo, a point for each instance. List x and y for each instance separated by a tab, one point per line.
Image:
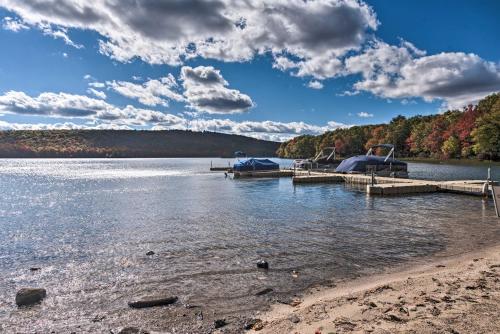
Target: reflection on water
88	224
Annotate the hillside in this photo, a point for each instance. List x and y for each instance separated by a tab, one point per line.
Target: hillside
471	133
128	143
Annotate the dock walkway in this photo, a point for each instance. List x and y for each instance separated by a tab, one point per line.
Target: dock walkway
396	186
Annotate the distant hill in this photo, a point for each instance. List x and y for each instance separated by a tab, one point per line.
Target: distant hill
128	144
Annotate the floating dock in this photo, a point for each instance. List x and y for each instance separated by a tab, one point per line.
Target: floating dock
396	186
221	169
264	173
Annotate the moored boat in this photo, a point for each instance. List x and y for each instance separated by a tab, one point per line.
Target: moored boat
379	165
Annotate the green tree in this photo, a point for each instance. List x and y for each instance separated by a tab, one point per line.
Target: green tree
451	147
487	133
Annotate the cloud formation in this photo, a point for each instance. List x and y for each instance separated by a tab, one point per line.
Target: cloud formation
63	105
99	114
8	23
315	39
169	32
153	92
206	90
406	72
364	114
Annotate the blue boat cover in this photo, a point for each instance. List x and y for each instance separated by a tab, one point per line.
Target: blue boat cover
358	163
255	164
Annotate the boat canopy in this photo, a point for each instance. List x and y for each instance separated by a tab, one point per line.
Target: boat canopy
359	164
255	164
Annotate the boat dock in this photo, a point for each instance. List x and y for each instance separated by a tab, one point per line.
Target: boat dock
263	173
396	186
378	185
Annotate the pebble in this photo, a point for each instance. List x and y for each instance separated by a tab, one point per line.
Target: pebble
251	324
264	292
35	268
152	302
294	319
220	323
30	296
150	253
132	330
263	264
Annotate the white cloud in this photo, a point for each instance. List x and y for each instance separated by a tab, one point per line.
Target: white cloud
150	93
61	33
15	25
168	32
98	93
205	91
364	114
63	105
96	84
315	84
99	114
404	72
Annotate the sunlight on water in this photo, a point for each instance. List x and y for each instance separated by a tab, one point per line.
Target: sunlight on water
89	222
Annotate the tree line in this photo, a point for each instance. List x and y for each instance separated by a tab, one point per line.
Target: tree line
128	144
471	133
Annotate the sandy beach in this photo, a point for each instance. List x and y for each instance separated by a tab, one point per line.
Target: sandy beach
456	295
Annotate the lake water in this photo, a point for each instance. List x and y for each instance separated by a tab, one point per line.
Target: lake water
88	223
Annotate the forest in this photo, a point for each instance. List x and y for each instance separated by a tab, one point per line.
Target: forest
471	133
128	144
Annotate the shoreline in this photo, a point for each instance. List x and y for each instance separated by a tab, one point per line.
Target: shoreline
452	295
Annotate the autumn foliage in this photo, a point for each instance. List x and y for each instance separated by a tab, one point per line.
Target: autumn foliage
473	132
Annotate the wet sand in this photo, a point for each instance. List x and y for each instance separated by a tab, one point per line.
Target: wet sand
456	295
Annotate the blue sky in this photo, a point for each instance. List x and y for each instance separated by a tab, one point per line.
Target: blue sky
225	67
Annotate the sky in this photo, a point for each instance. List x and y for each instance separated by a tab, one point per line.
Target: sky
270	69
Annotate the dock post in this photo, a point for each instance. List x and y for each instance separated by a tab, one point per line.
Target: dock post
373	178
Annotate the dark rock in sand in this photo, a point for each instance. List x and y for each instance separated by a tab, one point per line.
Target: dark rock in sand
132	330
264	292
262	264
152	302
30	296
150	253
394	318
35	269
220	323
294	319
249	324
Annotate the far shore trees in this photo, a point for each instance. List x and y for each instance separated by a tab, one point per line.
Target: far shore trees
473	132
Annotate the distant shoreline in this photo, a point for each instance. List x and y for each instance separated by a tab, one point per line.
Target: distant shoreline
464	162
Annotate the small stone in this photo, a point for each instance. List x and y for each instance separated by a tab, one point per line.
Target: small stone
132	330
295	274
35	268
255	324
152	302
372	304
258	325
393	317
149	253
30	296
435	311
264	292
263	264
98	318
220	323
294	319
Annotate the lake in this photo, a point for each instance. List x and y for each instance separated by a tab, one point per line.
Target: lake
88	223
